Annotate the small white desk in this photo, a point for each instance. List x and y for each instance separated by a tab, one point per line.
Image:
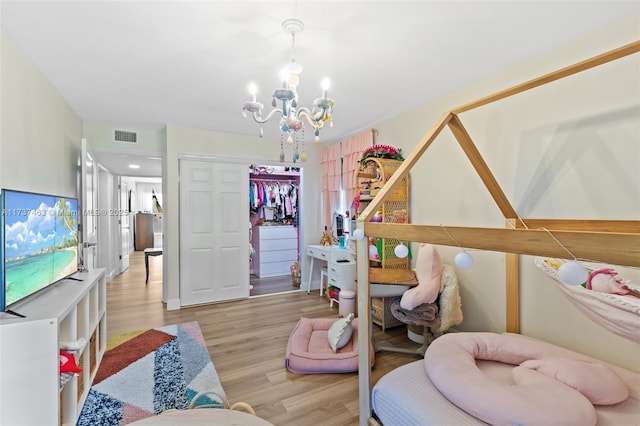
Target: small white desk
329	254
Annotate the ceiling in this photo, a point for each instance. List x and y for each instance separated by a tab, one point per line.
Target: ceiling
122	164
143	64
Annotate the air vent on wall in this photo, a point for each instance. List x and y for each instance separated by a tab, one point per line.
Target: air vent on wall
127	136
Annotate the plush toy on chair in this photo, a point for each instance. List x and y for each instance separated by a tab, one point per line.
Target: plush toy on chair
433	304
429	273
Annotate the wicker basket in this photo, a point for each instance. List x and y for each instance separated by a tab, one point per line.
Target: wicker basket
296	275
382	313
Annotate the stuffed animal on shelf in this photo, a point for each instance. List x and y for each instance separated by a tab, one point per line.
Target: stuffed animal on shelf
327	239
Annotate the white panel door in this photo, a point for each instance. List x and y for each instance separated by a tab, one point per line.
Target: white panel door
214	238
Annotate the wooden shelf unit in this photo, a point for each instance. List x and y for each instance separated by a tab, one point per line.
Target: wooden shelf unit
31	391
371	177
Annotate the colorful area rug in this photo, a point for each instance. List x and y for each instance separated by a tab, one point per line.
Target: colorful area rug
144	373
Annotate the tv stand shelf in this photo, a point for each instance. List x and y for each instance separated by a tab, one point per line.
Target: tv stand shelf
71	312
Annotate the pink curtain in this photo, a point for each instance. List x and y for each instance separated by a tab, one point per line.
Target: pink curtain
330	162
340	161
352	150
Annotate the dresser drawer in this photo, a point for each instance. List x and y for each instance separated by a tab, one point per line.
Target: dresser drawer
275	269
342	275
318	252
274	245
328	253
277	232
278	255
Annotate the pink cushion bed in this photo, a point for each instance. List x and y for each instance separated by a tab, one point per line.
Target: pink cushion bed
308	349
549	385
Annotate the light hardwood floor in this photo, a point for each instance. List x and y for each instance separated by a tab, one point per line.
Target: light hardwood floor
247	341
261	286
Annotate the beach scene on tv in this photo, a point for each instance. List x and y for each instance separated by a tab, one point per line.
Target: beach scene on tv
41	242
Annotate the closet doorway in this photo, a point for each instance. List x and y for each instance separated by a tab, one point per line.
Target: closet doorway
275	224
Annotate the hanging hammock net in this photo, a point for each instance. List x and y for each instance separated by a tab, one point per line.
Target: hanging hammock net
619	314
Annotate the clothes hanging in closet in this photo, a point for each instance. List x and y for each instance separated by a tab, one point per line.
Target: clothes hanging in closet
278	197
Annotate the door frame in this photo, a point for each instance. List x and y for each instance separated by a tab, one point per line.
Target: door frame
89	205
124	223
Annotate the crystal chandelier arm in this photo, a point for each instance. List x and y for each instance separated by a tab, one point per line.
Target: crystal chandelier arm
258	118
304	112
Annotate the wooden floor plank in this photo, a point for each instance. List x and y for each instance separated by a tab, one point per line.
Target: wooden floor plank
247	341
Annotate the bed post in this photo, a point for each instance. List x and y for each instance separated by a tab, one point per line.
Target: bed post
364	327
513	288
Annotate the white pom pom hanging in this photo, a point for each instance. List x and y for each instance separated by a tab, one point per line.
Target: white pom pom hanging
573	273
401	251
358	234
463	260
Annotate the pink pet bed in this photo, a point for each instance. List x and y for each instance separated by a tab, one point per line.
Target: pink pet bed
308	350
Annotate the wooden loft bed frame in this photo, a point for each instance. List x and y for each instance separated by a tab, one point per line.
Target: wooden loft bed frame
583	238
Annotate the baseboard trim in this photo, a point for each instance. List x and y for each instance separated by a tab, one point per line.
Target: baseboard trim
173	304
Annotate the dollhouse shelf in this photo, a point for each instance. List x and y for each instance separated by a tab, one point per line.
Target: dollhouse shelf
371	177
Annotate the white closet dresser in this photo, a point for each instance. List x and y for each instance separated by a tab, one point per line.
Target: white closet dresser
276	251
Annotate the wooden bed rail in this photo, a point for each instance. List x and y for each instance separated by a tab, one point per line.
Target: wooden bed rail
610	247
595	61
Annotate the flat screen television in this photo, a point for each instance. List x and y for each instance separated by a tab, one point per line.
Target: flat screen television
39	243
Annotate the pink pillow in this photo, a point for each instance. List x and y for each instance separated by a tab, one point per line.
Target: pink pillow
533	398
537	399
429	273
340	332
594	380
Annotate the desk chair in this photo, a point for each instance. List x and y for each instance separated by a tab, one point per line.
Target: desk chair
449	309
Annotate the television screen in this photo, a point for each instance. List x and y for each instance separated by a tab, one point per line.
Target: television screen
39	243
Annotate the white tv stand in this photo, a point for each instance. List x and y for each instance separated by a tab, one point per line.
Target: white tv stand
69	311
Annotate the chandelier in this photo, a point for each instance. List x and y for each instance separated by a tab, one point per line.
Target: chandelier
285	102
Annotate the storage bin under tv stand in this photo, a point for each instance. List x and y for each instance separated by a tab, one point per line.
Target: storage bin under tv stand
30	391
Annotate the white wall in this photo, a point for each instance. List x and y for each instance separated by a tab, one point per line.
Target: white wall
569	149
100	137
143	190
39	133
